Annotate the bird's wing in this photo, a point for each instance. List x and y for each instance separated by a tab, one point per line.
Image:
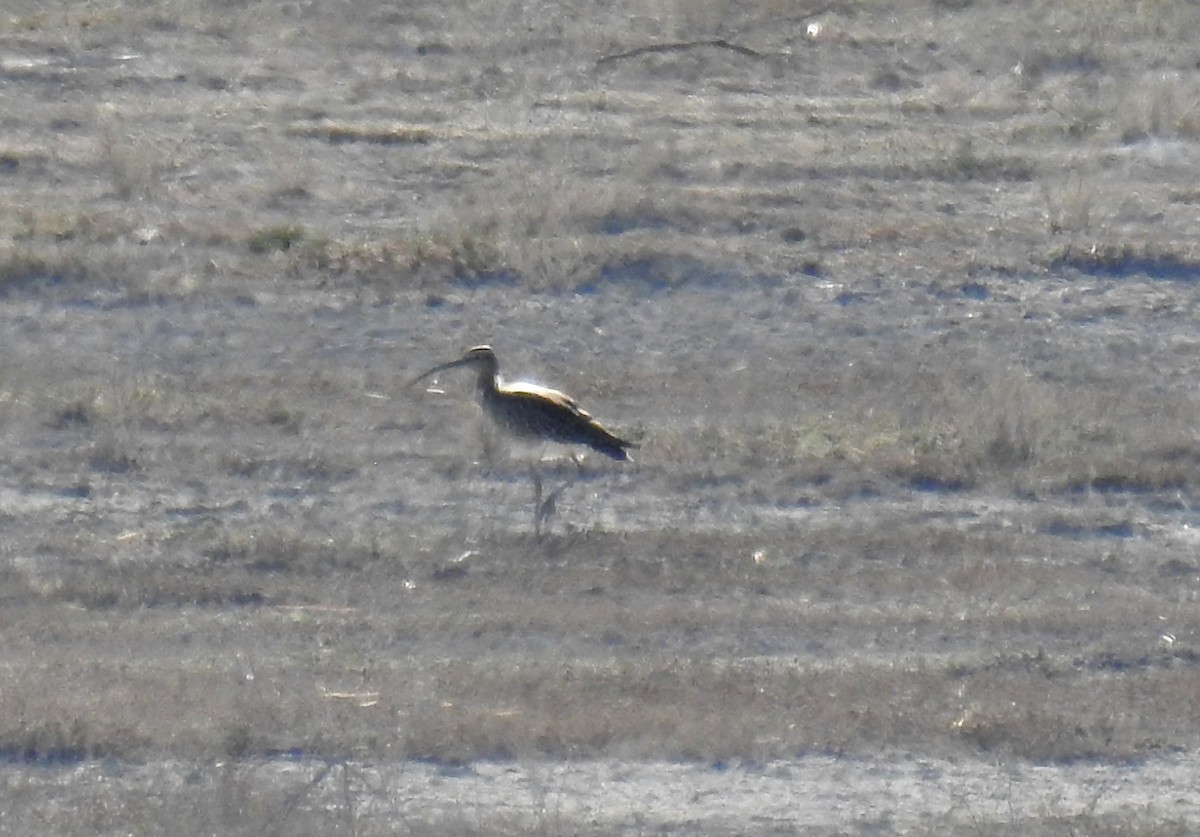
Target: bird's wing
578	428
560	399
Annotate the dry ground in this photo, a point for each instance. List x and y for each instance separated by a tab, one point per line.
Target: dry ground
898	297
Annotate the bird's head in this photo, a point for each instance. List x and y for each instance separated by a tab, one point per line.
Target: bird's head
478	355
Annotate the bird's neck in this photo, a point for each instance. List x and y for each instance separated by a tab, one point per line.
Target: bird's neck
489	381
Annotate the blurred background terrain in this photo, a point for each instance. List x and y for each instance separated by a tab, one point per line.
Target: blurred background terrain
899	298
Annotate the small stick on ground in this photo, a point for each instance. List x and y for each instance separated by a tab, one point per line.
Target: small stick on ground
718	43
680	46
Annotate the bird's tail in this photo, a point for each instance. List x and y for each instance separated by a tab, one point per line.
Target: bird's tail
614	447
613	451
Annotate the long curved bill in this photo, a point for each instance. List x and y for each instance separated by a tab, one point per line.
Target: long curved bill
441	367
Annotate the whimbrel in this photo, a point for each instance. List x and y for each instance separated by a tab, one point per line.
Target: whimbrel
534	413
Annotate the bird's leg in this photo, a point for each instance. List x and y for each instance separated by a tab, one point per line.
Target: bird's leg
543	510
545	507
537	486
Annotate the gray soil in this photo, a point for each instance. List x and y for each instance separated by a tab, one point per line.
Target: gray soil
816	795
897	299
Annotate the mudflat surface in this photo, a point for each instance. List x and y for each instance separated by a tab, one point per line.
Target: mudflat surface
816	795
898	302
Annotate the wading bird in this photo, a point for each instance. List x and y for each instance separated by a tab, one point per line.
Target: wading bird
534	413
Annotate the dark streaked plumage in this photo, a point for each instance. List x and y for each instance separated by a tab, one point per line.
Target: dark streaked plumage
534	412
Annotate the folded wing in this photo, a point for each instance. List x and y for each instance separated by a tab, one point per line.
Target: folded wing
535	411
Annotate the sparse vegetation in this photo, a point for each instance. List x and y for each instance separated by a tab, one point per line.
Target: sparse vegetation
898	299
466	257
276	239
380	134
1121	260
